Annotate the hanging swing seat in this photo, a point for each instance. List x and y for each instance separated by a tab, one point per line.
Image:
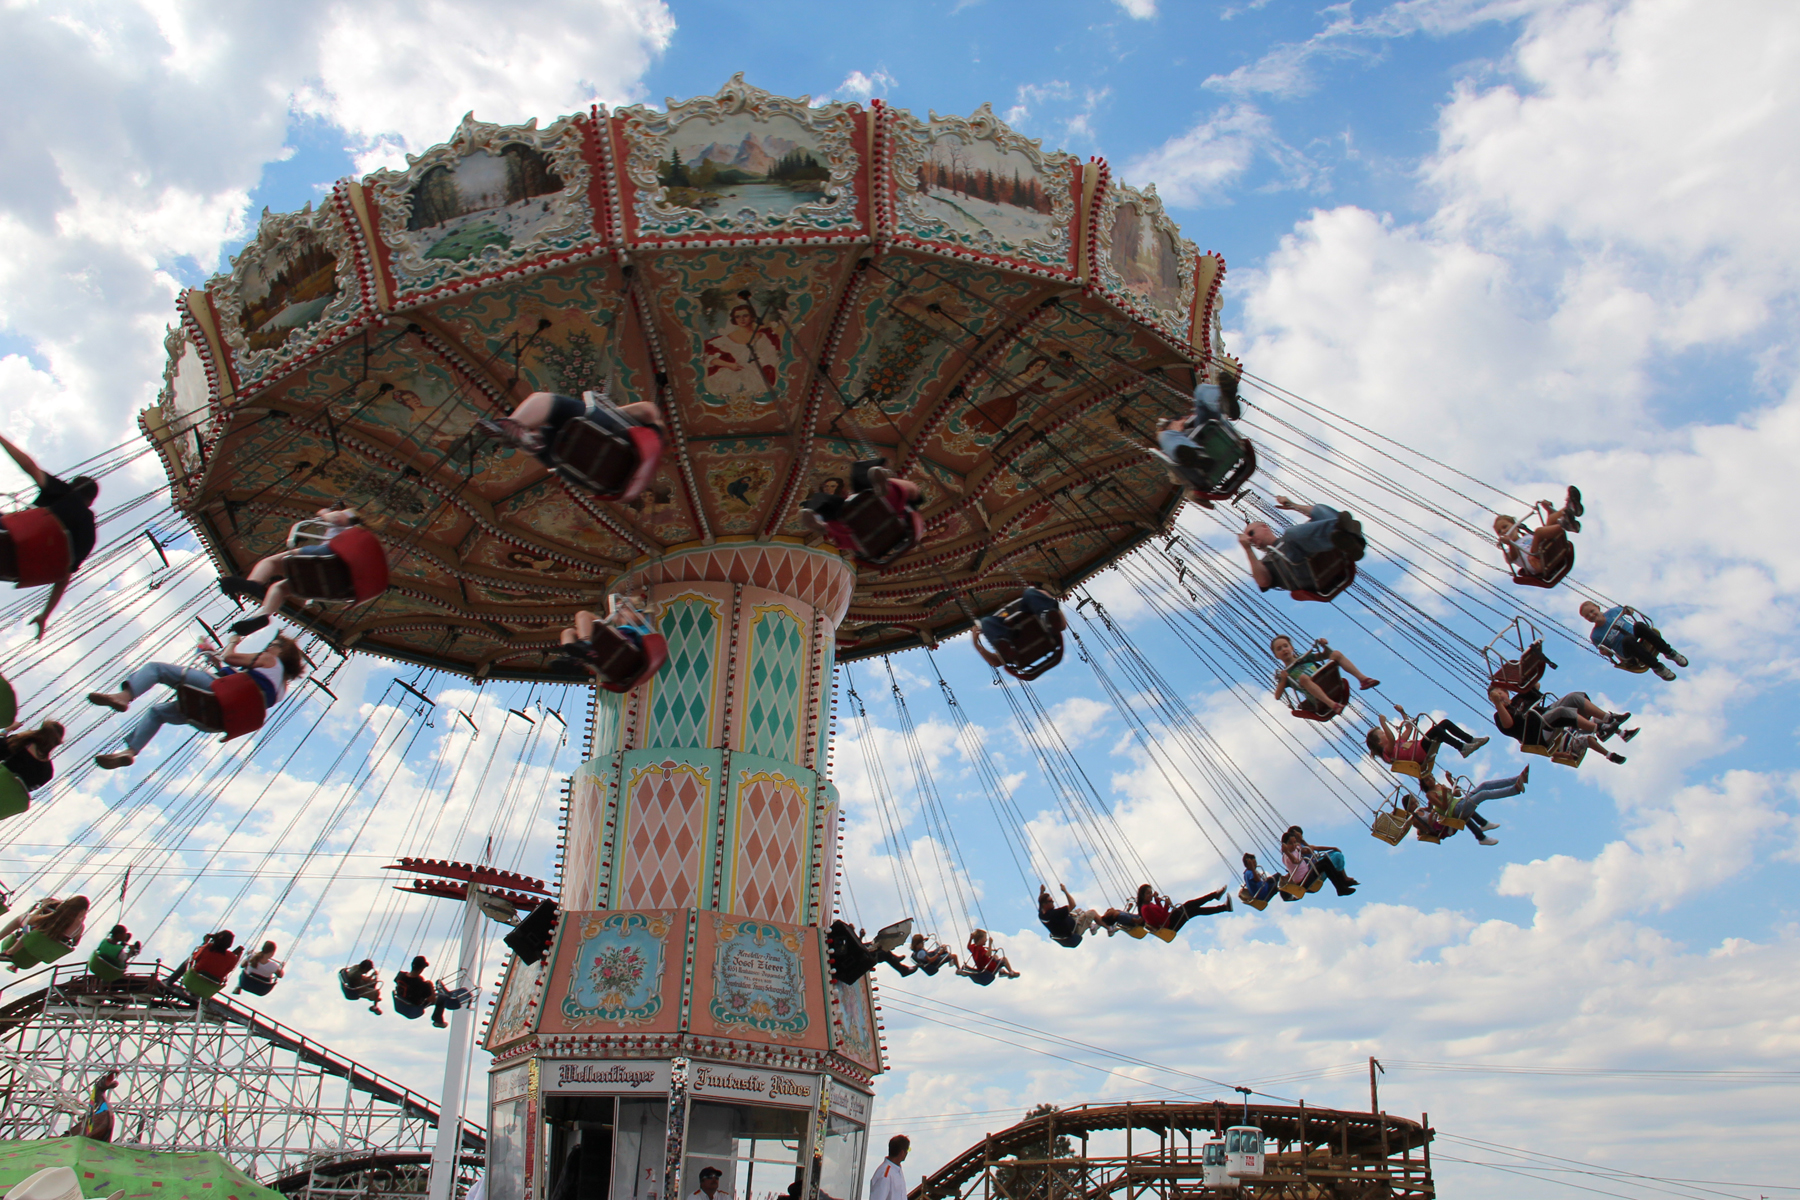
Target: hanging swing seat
614	464
9	703
1233	458
367	992
889	938
355	571
879	525
1523	673
31	947
1036	644
14	797
619	662
233	705
452	999
1136	931
1296	890
1558	558
1164	932
1624	664
201	984
408	1009
104	968
1332	682
34	548
1391	826
1252	901
1329	571
1414	757
256	985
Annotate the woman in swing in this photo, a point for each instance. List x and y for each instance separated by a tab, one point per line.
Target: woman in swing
272	668
1385	740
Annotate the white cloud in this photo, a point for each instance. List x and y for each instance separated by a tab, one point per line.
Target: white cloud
1138	10
858	86
1199	165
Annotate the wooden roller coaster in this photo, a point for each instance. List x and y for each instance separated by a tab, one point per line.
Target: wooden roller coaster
1155	1150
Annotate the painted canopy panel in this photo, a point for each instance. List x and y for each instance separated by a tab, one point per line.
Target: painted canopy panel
799	287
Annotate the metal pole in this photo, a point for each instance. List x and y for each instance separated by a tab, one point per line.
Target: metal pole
445	1154
1374	1096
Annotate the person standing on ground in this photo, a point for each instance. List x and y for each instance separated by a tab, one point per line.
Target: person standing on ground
889	1181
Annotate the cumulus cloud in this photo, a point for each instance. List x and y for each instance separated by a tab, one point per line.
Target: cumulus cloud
860	86
1138	10
1198	166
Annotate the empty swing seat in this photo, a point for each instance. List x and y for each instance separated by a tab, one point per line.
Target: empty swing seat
880	527
1390	826
15	798
104	968
1523	673
614	464
34	548
1558	560
1332	682
201	984
355	570
233	705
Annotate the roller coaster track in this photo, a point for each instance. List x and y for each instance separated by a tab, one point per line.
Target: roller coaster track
1095	1151
202	1074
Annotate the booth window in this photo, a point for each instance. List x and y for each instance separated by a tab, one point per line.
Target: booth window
756	1150
841	1175
506	1151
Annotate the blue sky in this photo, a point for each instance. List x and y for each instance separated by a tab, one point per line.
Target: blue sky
1540	240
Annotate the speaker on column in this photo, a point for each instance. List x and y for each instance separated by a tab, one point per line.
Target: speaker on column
531	936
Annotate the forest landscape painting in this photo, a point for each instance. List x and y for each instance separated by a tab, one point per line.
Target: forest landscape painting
973	185
743	165
287	289
483	199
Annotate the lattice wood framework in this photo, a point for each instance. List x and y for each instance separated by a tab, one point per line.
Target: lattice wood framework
1133	1150
222	1078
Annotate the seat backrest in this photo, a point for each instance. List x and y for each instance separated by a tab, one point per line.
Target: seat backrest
596	457
1332	571
881	531
656	652
364	554
1559	559
37	546
14	797
233	705
1390	827
320	576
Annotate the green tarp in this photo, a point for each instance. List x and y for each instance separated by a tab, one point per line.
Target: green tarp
144	1174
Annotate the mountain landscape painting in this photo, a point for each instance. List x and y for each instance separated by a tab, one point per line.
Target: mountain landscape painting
740	164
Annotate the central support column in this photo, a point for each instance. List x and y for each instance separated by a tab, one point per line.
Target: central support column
705	788
685	1019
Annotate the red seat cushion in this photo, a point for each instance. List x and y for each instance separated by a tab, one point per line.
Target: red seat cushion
39	545
363	554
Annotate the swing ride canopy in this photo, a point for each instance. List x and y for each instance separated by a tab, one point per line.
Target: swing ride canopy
800	287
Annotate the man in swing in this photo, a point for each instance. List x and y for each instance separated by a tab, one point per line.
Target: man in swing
1215	400
533	426
1288	563
1037	605
1633	642
71	502
824	511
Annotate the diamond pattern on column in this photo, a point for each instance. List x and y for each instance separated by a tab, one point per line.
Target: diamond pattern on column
771	849
662	849
773	684
681	694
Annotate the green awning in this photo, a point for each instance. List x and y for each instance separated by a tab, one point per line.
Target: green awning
144	1174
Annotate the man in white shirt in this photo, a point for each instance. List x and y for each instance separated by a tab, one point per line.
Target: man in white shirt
709	1186
889	1182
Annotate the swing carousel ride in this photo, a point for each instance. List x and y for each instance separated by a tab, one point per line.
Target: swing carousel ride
800	292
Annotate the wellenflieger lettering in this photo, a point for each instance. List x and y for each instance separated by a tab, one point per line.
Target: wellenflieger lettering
582	1073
